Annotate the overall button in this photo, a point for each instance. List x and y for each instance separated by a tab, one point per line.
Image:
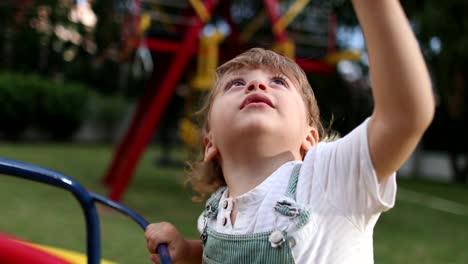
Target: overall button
225	204
276	238
292	242
224	221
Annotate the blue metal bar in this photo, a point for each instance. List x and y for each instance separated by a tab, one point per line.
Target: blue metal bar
39	174
86	199
121	208
162	248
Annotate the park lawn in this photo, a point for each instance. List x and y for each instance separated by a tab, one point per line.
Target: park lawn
410	233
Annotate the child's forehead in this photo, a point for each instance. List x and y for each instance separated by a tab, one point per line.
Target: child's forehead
243	71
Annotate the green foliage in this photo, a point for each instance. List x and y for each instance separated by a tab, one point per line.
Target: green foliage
18	102
38	36
446	21
106	113
346	15
61	108
32	101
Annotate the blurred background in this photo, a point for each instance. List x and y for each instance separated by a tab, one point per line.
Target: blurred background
104	91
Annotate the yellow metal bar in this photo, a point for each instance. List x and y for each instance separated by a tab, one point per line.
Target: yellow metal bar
207	61
252	27
286	48
333	58
165	17
287	18
67	255
189	133
200	9
145	23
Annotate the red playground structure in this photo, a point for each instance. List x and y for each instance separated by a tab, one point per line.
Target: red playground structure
183	31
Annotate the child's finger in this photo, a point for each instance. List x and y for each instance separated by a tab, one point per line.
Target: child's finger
155	258
163	233
153	237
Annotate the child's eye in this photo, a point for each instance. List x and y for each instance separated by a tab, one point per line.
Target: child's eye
279	80
235	83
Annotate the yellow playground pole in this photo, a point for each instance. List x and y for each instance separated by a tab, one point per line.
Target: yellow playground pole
289	16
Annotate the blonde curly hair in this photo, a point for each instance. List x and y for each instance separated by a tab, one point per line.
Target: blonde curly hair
206	177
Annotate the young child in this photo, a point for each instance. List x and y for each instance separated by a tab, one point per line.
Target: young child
280	196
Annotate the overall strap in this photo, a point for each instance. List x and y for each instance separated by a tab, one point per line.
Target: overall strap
288	206
292	184
212	204
211	210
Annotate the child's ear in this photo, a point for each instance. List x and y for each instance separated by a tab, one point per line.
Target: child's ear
211	151
311	138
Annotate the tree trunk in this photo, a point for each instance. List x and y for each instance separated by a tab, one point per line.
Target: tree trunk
458	129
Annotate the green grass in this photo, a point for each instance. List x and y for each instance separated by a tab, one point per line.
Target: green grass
415	233
409	233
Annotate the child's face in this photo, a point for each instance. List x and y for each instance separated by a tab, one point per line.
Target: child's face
258	102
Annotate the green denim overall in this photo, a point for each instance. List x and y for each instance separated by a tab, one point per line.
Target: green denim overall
266	247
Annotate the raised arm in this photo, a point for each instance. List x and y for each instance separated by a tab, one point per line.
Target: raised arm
402	91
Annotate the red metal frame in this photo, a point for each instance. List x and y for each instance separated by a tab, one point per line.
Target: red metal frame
309	65
274	14
331	33
162	45
150	112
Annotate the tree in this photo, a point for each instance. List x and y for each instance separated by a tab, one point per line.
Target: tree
441	28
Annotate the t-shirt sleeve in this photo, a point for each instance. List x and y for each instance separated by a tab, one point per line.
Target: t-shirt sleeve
346	175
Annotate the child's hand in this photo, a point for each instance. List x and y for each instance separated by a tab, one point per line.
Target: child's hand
163	232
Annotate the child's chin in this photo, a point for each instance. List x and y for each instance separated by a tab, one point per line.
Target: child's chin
257	126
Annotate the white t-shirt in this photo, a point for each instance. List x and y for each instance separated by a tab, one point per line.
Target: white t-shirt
339	186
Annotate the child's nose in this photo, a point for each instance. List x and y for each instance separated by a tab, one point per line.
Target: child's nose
256	85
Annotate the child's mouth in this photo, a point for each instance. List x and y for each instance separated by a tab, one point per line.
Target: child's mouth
256	100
